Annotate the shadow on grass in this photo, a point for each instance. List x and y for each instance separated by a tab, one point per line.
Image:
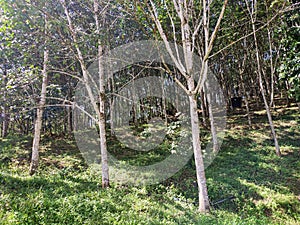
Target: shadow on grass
241	175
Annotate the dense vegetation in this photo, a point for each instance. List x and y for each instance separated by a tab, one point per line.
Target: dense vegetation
143	89
257	187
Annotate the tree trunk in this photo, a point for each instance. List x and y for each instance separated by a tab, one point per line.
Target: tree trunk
246	101
203	108
183	10
272	103
69	120
38	122
206	9
102	118
102	132
212	125
111	88
200	172
245	93
266	79
98	110
163	100
5	121
262	86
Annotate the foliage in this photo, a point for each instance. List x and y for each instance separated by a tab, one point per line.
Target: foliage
258	187
290	63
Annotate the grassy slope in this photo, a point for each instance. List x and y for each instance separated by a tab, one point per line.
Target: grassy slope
266	188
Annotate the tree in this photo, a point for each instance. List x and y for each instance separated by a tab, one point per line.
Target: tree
102	119
86	77
38	122
252	11
19	60
184	12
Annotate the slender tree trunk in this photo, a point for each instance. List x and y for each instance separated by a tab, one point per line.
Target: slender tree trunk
200	169
70	111
262	86
135	107
203	108
111	105
286	94
255	94
99	110
69	120
213	129
212	121
183	10
266	79
75	119
241	70
163	100
246	99
39	119
5	121
200	172
102	132
272	103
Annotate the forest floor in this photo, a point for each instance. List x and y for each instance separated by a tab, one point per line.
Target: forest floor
257	186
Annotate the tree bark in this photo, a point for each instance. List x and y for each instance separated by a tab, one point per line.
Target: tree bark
241	70
5	122
213	129
5	118
38	122
111	87
102	125
102	118
246	99
203	108
272	103
200	172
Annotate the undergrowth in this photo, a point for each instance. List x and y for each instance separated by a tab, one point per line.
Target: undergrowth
247	182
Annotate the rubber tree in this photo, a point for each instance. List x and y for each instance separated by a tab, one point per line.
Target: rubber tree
252	12
40	108
102	134
100	111
183	11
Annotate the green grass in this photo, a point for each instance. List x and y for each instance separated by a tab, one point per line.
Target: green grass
264	189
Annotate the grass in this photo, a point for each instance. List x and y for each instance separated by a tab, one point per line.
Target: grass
258	187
